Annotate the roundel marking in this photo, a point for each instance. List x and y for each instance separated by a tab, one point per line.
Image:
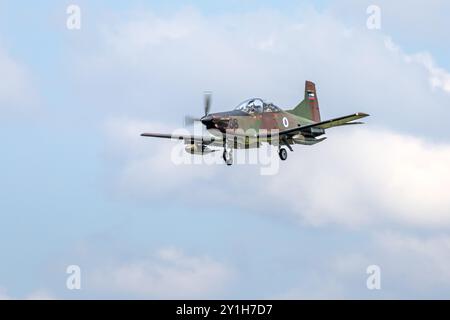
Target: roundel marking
285	122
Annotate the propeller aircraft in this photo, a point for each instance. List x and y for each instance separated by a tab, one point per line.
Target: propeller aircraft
256	121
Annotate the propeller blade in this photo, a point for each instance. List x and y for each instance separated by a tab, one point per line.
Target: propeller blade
189	120
207	102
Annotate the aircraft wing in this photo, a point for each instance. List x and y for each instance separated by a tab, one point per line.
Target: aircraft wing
341	121
206	140
218	140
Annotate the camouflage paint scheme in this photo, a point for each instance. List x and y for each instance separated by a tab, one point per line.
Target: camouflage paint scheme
306	112
251	123
237	122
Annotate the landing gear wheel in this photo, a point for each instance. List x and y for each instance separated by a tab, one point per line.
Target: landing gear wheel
283	154
228	157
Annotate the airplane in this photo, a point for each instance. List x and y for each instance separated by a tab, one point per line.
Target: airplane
256	121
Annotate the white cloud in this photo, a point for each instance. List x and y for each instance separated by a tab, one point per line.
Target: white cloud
438	77
41	294
359	176
411	267
368	177
417	22
373	176
16	89
420	262
143	65
147	30
3	294
169	274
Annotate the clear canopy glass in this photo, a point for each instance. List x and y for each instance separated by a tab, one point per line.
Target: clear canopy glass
257	105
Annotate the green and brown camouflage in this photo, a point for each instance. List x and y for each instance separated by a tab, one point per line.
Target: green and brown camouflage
268	118
255	121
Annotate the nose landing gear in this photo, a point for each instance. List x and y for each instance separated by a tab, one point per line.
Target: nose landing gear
228	157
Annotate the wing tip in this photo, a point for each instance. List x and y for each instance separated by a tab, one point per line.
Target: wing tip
362	114
154	135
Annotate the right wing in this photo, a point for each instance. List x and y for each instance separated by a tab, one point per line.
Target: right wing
219	140
341	121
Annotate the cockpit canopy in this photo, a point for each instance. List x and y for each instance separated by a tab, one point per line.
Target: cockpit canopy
257	105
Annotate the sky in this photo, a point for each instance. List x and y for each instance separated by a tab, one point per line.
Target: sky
79	186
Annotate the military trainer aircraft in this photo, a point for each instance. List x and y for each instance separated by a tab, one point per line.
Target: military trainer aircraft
255	121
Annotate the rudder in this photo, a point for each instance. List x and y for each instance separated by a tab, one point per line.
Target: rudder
309	107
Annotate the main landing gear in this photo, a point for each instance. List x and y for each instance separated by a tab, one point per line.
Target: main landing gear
283	154
282	151
228	157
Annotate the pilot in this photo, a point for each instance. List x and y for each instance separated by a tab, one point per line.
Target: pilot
251	107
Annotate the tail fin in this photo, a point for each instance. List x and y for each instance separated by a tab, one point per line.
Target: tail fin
309	107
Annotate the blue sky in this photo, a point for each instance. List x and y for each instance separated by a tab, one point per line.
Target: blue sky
79	186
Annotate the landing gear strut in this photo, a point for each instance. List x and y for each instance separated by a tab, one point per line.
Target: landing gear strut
228	157
283	154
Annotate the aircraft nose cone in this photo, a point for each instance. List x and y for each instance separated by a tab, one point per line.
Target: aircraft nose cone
207	119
